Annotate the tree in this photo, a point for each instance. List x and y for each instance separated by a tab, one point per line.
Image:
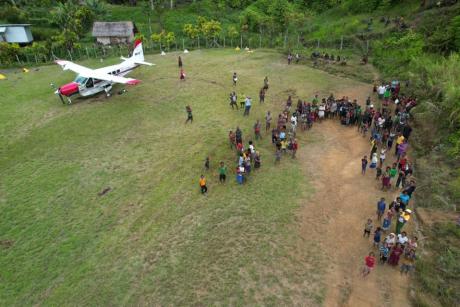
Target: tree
232	32
211	29
163	38
191	31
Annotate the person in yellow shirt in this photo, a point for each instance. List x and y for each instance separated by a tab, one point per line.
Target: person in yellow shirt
399	140
204	188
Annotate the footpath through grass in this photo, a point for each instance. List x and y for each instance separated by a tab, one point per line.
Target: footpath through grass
152	239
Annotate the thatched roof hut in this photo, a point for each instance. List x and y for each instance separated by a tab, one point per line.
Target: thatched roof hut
108	33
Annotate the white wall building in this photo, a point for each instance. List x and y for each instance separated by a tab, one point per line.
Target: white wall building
19	33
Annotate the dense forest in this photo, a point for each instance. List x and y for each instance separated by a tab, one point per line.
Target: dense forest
415	41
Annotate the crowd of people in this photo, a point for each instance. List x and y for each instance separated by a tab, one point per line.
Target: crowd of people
387	127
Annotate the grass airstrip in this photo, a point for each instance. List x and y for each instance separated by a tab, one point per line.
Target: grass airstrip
152	238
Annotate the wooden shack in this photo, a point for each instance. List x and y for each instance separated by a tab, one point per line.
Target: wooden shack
113	33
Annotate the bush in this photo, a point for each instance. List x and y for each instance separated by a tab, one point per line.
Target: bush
8	52
437	273
43	34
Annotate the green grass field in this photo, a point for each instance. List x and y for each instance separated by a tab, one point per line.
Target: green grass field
153	238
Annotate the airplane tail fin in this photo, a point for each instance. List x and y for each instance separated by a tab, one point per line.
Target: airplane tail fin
138	53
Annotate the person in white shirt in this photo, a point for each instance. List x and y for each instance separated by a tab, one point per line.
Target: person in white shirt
381	91
381	121
402	238
294	120
382	157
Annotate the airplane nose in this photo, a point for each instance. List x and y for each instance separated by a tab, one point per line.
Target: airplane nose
69	89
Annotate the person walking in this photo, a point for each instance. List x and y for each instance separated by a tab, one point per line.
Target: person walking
369	264
257	127
234	79
188	109
261	95
222	172
203	187
268	120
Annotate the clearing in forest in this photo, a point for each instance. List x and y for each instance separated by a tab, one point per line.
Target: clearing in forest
152	238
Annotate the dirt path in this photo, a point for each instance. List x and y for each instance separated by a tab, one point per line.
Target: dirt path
335	217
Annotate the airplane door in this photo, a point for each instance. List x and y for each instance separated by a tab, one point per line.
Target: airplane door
89	83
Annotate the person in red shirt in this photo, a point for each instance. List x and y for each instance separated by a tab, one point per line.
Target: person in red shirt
294	147
369	264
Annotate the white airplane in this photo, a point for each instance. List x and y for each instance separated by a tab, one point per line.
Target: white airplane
92	81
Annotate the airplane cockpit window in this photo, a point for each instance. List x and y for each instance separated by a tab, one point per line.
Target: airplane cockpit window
90	83
80	80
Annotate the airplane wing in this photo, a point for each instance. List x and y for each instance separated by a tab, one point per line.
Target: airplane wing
91	73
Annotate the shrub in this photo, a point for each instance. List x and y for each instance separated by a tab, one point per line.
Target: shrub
8	52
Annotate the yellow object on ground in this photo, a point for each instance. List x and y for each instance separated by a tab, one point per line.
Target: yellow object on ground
237	48
25	70
2	77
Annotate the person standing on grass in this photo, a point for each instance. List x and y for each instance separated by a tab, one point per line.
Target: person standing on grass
277	155
247	106
238	135
294	147
411	188
403	218
364	165
180	62
233	100
381	206
368	228
222	172
289	58
182	74
206	164
257	160
257	127
268	120
399	141
232	139
234	79
203	187
188	109
261	95
369	264
266	83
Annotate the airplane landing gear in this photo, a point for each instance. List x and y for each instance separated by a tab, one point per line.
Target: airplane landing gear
107	91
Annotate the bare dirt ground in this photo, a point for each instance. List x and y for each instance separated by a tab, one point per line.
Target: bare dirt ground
335	216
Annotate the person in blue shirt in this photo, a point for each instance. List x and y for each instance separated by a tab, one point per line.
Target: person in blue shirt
247	106
404	199
377	236
381	206
282	135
